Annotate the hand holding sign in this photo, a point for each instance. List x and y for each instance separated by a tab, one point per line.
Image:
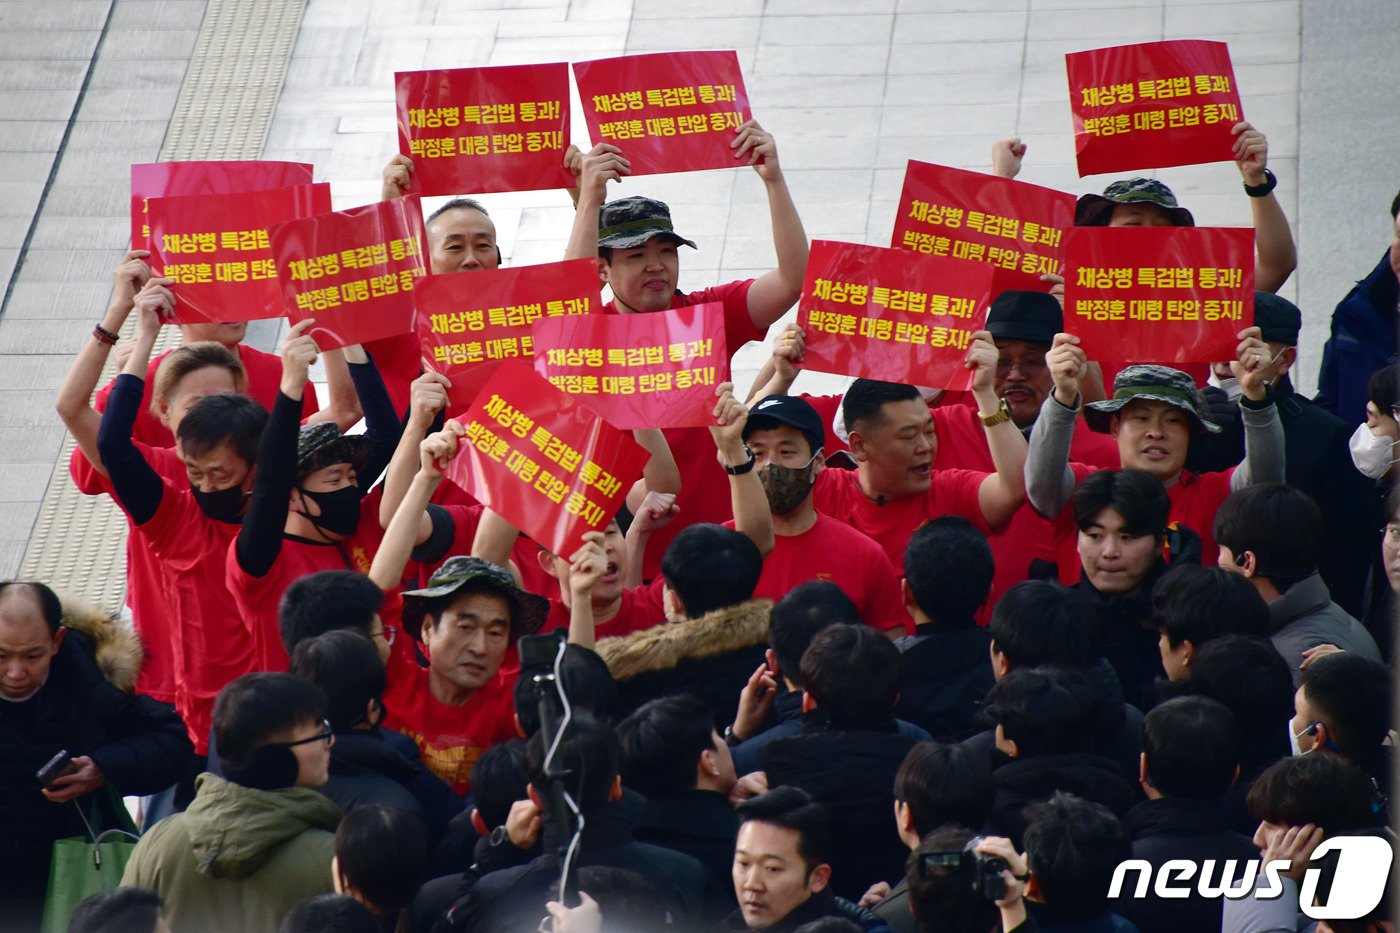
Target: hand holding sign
436	451
1251	153
1251	364
1068	366
427	397
757	144
299	353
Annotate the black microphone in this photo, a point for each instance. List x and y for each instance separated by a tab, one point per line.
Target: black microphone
880	500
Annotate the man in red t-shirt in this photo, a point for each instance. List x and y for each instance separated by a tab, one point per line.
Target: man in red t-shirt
1153	414
785	435
637	250
895	488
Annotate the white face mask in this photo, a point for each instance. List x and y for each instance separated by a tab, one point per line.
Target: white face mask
1230	384
1373	454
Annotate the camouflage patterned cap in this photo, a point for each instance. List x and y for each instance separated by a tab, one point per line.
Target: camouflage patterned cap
1094	210
320	444
1150	383
527	610
629	222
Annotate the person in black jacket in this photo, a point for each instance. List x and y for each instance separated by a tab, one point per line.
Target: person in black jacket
849	752
1045	719
1038	623
59	685
672	755
947	577
1343	707
368	764
1193	604
1190	757
589	757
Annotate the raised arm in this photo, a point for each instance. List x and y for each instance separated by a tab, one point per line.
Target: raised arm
1263	431
773	293
784	363
1006	157
397	178
586	567
1275	255
135	484
382	425
260	538
602	164
427	397
752	517
1002	493
660	473
1049	479
401	532
74	400
343	406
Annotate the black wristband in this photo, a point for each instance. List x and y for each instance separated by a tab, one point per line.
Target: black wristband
744	467
1252	405
1259	191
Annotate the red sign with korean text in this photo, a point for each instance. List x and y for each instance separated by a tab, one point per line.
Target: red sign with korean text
666	111
1015	226
353	271
175	179
639	371
470	130
1152	105
544	460
469	322
885	314
216	249
1159	294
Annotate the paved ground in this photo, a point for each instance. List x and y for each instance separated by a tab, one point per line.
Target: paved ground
852	90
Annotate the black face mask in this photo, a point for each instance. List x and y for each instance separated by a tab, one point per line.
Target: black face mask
222	505
340	510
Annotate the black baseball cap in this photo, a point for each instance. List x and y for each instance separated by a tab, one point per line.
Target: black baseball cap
774	410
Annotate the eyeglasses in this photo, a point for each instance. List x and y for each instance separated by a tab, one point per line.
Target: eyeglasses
1390	536
388	633
325	735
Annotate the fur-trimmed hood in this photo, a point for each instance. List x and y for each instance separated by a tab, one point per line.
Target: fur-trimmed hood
662	647
117	648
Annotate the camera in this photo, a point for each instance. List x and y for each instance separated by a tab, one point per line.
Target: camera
987	869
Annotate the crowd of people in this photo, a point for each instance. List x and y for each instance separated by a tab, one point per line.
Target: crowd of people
898	659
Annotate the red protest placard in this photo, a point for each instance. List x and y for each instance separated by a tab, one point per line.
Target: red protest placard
471	130
216	249
469	322
667	111
353	271
1159	294
1152	105
1015	226
543	459
174	179
654	370
885	314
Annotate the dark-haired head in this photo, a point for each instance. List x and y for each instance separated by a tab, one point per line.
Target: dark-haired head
798	617
330	913
863	406
381	856
938	785
710	567
223	418
258	710
1271	531
498	781
669	745
1250	677
1190	748
346	668
793	808
1348	697
851	673
588	756
1072	849
1038	622
948	570
118	910
586	682
328	600
943	893
1327	791
1043	711
1192	604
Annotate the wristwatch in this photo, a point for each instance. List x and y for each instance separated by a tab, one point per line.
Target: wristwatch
1003	413
742	468
1259	191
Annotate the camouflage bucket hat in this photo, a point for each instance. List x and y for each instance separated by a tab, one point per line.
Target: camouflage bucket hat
321	444
1094	210
527	611
629	222
1149	384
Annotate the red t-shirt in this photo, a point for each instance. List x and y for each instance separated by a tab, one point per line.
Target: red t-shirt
450	738
145	578
212	645
257	597
951	492
704	495
832	551
642	607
